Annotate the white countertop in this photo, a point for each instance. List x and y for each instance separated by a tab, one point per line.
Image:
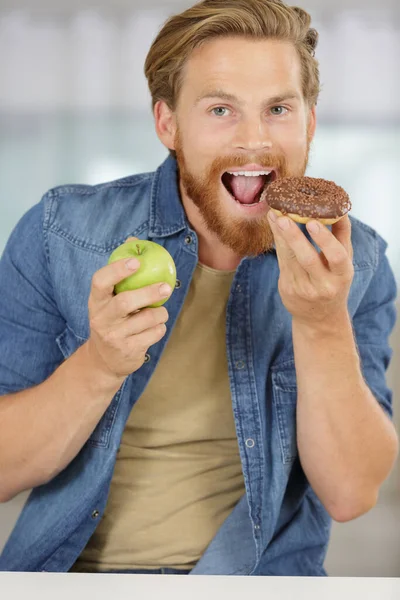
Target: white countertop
77	586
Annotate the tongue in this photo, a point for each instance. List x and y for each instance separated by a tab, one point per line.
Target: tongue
245	189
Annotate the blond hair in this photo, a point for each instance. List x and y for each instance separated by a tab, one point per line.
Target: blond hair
251	19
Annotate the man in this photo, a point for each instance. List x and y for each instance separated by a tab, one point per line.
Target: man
223	432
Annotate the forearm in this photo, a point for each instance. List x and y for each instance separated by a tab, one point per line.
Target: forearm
43	428
347	445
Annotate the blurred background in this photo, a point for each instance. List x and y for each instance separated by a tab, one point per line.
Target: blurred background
74	108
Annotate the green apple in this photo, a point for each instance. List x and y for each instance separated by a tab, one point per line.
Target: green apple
156	266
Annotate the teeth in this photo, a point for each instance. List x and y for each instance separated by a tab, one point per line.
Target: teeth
249	173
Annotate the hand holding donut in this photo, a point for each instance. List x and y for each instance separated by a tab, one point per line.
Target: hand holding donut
314	287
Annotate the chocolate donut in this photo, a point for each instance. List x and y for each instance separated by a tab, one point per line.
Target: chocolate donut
306	198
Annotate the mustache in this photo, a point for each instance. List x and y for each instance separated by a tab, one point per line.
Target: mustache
237	161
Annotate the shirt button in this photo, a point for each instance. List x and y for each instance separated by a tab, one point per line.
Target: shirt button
178	284
250	443
188	239
147	358
95	514
240	364
256	527
239	288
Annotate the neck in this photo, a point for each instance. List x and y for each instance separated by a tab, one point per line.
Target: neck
212	253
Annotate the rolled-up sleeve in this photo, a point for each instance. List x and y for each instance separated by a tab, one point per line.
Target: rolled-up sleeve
373	324
29	319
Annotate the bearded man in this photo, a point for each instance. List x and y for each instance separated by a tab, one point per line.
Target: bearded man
220	433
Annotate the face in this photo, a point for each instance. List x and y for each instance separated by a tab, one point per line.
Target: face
240	109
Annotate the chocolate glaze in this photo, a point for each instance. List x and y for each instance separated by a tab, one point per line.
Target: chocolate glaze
308	197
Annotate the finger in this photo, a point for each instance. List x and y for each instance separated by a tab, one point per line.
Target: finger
126	303
296	249
148	338
342	232
335	253
104	280
129	239
284	252
144	320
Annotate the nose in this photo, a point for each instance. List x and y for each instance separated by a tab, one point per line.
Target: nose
252	134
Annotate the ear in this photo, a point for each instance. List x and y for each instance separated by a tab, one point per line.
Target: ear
165	122
312	123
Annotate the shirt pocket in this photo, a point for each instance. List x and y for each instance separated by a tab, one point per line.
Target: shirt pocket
284	400
69	342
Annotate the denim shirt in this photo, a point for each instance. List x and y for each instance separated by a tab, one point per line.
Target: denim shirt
279	527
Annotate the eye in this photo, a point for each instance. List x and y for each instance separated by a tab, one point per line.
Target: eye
278	108
219	108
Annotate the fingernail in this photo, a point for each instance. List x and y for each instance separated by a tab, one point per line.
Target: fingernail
272	215
132	264
165	290
313	227
284	223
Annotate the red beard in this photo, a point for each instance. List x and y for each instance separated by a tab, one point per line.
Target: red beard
245	236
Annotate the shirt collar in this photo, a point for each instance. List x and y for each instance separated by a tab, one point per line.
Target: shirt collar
167	215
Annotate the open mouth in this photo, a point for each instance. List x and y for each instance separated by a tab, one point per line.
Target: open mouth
247	188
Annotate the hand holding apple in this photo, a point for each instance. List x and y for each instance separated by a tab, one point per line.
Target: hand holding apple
156	266
124	326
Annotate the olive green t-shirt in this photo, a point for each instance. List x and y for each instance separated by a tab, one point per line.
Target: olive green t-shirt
178	473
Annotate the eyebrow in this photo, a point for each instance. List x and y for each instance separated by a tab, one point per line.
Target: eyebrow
221	95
